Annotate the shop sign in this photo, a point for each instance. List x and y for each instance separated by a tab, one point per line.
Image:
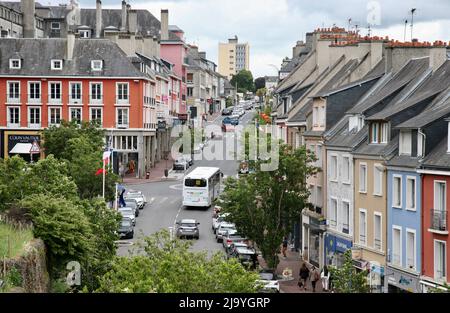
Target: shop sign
161	126
403	280
15	139
342	245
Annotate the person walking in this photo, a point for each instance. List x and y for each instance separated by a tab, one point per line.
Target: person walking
304	274
325	276
315	277
285	245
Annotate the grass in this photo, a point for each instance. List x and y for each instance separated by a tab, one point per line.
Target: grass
13	239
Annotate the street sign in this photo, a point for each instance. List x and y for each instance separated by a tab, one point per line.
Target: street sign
35	149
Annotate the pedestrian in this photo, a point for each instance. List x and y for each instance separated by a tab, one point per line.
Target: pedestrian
285	245
122	199
315	277
325	276
330	281
304	274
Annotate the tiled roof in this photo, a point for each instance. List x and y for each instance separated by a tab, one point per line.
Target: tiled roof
438	158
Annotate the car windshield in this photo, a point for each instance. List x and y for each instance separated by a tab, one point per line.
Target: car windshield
245	256
188	225
131	204
126	211
226	228
189	182
126	223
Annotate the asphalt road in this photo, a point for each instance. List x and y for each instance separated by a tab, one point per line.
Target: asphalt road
164	203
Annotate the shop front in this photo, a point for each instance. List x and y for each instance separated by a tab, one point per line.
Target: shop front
22	143
312	240
375	269
399	281
335	247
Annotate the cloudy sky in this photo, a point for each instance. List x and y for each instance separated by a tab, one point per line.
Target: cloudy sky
273	26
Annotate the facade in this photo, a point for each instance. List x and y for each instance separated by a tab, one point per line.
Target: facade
45	81
233	57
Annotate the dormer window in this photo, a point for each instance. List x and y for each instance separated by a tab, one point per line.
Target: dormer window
379	132
84	33
405	143
15	64
97	65
56	65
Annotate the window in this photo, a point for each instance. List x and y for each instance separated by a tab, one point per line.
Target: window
316	116
96	93
411	193
34	92
190	91
439	196
84	34
96	115
377	231
15	64
405	143
333	168
440	256
13	117
122	117
374	133
34	117
319	196
54	116
55	25
322	116
190	77
362	178
411	249
75	115
122	92
333	212
384	133
379	132
56	64
13	92
75	92
377	180
54	92
362	227
319	156
96	65
420	145
397	192
345	217
346	169
397	245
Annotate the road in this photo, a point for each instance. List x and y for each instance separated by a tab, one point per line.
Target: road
164	207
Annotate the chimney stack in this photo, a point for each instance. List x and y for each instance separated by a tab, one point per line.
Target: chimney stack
132	21
165	24
29	20
70	45
123	27
98	19
202	55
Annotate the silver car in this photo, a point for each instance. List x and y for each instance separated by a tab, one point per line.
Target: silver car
138	196
188	228
130	213
223	229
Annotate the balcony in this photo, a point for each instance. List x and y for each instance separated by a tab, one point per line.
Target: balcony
439	222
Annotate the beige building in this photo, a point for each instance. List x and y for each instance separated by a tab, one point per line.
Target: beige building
233	57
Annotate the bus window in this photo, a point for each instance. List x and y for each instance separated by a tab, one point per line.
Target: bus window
188	182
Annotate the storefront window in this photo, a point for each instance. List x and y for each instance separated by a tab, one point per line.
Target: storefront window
314	249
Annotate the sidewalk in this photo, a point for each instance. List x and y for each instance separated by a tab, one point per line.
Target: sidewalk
212	118
156	174
293	262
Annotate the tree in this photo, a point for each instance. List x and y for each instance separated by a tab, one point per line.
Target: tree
244	81
264	205
168	266
229	102
260	82
347	279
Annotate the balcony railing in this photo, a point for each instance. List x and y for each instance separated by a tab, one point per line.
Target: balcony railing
122	100
13	99
439	220
95	99
345	228
34	98
377	243
396	258
362	239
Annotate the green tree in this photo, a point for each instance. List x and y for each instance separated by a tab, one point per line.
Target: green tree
347	279
244	81
264	205
168	266
229	102
260	82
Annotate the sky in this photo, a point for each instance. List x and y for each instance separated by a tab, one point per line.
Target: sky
272	27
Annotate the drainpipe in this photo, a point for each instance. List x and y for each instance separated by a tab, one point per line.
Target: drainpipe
419	131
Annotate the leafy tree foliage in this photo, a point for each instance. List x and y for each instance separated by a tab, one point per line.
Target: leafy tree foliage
264	204
244	81
168	266
347	279
260	82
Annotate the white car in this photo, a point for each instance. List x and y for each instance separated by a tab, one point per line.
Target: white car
223	229
216	221
138	196
129	213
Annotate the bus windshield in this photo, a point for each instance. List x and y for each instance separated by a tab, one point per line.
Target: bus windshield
189	182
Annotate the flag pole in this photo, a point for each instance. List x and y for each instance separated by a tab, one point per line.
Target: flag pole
104	176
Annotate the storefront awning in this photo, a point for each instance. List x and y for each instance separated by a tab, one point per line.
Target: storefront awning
21	148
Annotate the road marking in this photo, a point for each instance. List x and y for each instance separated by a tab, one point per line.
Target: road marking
177	187
176	217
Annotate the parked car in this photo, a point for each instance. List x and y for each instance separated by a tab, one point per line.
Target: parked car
268	282
126	229
188	159
226	111
231	237
231	251
223	228
216	221
246	256
129	213
138	196
181	164
188	228
132	203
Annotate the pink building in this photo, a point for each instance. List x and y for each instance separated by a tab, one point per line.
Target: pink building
174	50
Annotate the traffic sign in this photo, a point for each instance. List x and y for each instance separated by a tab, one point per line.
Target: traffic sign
35	149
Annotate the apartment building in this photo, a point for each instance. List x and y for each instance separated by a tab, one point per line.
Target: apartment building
233	57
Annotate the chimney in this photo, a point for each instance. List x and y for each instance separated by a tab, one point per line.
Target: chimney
132	21
123	27
165	24
202	55
98	19
28	10
70	45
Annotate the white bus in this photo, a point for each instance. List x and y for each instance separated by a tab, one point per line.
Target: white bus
201	186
